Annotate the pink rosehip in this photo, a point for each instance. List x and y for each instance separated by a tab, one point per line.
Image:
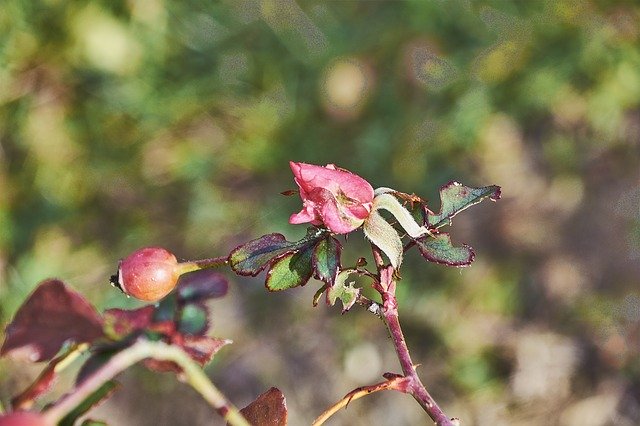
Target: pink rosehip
148	274
331	196
24	418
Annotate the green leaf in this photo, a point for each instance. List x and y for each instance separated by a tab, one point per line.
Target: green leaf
194	319
456	197
254	256
326	259
439	249
344	291
92	400
291	270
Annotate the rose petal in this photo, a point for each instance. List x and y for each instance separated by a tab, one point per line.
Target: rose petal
336	197
309	176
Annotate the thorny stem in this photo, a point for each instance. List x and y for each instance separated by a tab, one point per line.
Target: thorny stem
386	287
140	350
416	389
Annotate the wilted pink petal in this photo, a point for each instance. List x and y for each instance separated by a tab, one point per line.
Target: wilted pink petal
334	197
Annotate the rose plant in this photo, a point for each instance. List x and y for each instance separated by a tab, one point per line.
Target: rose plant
56	324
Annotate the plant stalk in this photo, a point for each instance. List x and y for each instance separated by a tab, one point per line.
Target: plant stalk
139	351
416	388
197	265
386	286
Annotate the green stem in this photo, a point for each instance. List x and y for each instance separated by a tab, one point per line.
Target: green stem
137	352
197	265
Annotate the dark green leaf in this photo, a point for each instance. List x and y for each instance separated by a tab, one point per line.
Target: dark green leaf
456	197
292	270
439	249
166	309
326	259
194	319
95	398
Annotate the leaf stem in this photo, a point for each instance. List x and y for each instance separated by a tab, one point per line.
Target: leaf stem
196	265
139	351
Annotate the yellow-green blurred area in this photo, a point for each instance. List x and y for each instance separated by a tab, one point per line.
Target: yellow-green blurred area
153	122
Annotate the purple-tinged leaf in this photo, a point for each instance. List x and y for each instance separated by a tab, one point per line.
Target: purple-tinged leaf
269	409
439	249
200	348
120	322
291	270
326	259
51	316
202	285
102	393
253	257
456	197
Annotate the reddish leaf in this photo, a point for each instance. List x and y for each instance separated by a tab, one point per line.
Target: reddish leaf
51	316
25	400
269	409
43	383
122	322
200	348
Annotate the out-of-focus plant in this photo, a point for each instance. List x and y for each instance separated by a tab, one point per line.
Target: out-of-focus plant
56	324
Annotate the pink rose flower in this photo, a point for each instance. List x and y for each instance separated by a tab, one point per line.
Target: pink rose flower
334	197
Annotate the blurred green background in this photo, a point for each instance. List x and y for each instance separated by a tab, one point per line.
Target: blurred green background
153	122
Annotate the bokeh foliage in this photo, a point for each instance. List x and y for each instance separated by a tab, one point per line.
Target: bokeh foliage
133	123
